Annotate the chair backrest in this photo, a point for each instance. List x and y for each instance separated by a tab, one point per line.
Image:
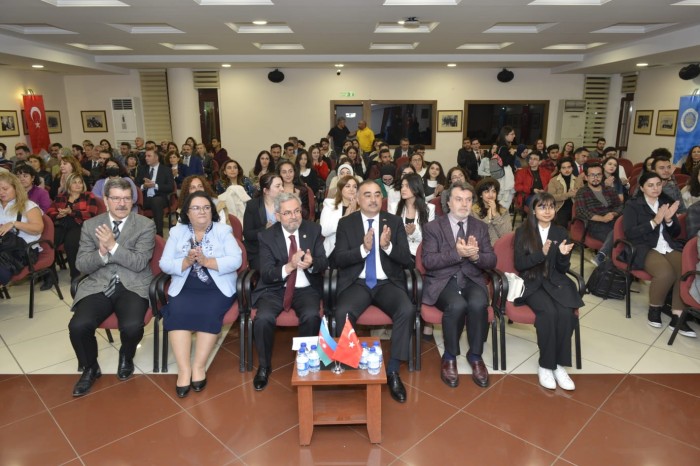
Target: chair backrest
244	262
385	204
436	201
139	201
681	220
627	165
401	161
236	226
636	171
419	259
312	203
47	254
688	264
504	249
681	180
157	254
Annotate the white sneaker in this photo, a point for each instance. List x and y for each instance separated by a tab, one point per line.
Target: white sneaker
563	378
546	378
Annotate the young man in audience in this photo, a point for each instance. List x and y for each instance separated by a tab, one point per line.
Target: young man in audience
469	160
276	153
384	161
531	180
288	152
599	152
404	149
553	154
664	168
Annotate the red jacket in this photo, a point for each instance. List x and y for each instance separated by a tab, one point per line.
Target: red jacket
524	180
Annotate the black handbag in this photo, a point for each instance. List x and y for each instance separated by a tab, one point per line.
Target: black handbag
607	282
13	251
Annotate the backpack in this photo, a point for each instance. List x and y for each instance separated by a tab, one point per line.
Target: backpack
607	282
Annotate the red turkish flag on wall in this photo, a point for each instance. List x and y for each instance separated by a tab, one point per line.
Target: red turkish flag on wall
35	116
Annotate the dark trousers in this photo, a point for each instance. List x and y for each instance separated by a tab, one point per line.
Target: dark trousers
306	304
391	299
92	310
459	306
603	232
157	204
68	234
554	324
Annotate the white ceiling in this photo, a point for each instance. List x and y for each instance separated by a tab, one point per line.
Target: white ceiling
341	31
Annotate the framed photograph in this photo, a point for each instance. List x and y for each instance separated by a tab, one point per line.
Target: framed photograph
666	123
25	130
449	121
9	124
642	121
94	121
53	121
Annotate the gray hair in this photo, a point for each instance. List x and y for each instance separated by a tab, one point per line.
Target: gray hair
284	197
460	185
115	183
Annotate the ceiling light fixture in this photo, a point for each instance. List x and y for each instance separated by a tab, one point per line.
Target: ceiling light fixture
226	65
339	65
492	46
451	65
569	2
84	3
260	22
38	67
642	65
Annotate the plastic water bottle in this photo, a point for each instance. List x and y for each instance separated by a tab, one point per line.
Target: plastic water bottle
314	360
378	350
373	362
302	362
363	358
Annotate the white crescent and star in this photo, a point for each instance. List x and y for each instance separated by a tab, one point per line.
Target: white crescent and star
31	116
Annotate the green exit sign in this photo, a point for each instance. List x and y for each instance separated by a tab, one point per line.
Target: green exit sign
347	94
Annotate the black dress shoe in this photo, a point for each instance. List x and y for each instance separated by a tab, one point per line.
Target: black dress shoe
260	380
448	373
182	391
86	380
125	368
480	375
199	385
396	388
47	284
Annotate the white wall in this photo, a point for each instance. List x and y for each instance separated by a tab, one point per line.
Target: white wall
48	85
657	89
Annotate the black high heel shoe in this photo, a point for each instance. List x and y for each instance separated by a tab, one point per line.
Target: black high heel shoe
182	391
199	385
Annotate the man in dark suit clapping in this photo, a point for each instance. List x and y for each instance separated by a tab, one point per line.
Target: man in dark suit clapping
156	181
292	262
456	251
371	251
115	249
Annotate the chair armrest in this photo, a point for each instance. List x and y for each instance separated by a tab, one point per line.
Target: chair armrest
156	293
633	252
327	298
500	291
689	274
418	288
579	282
410	284
249	283
240	290
75	282
29	247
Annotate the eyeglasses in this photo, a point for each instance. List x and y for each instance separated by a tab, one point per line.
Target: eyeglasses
204	208
595	175
290	213
545	207
119	200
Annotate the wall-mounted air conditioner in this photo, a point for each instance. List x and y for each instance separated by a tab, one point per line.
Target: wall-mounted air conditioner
571	122
127	119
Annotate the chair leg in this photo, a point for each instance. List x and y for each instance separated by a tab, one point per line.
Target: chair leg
249	344
54	275
164	352
581	250
628	298
681	321
31	296
494	344
577	339
156	344
418	337
242	337
109	335
503	342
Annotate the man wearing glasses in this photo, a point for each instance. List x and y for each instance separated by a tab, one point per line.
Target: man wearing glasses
600	206
292	261
114	254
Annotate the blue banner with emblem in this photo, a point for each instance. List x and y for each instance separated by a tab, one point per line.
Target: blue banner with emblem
688	133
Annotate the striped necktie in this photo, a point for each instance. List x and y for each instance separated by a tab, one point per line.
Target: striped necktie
112	285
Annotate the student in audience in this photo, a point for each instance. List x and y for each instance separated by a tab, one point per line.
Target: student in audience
386	181
263	164
29	181
343	204
651	224
434	180
542	257
292	184
69	164
611	169
530	181
327	152
413	209
202	257
39	166
231	174
111	170
356	161
550	158
307	175
260	214
568	150
540	147
343	170
207	161
319	165
192	162
563	188
664	168
178	168
394	194
132	164
68	212
691	191
487	209
220	154
691	161
418	162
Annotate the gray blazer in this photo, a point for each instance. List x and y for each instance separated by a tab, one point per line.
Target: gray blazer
131	259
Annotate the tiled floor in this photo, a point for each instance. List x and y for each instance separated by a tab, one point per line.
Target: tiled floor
637	402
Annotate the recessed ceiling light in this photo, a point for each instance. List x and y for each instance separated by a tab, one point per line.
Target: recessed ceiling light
687	3
233	2
38	66
267	28
642	65
569	2
98	47
226	65
147	28
451	65
632	28
400	29
519	28
35	29
492	46
188	46
573	46
278	46
260	22
395	46
421	2
84	3
339	65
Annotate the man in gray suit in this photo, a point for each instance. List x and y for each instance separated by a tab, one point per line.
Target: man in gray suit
115	250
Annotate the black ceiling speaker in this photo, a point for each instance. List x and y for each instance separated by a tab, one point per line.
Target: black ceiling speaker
275	76
505	76
689	72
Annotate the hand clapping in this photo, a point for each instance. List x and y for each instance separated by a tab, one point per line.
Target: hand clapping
565	248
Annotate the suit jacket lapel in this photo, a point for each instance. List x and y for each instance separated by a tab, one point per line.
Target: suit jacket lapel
447	230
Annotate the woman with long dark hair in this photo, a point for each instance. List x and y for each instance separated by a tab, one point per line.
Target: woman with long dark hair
563	188
487	209
611	173
260	214
292	184
263	164
231	174
307	175
542	256
692	161
434	180
506	159
413	209
691	191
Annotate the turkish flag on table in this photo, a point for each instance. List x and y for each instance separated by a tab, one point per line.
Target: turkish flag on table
349	350
35	116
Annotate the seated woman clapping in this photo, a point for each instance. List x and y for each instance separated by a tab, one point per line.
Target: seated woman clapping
202	256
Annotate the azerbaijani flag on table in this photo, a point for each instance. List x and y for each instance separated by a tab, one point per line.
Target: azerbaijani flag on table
326	344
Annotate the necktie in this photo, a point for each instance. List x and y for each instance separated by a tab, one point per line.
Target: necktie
461	233
292	277
371	262
150	173
151	191
112	285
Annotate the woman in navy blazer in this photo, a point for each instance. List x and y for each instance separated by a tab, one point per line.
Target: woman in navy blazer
202	256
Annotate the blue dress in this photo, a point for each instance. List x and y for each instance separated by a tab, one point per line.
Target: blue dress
199	307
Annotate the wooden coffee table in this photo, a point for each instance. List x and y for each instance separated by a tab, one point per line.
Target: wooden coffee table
353	397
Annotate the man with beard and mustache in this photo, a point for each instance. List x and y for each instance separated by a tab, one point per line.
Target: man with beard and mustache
115	249
600	206
292	262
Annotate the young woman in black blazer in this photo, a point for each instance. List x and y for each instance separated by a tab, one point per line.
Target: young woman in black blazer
542	259
651	224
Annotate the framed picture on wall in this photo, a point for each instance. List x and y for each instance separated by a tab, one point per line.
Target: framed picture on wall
53	121
25	129
94	121
666	123
9	124
449	121
642	121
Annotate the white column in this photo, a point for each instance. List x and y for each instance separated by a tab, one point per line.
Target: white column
184	105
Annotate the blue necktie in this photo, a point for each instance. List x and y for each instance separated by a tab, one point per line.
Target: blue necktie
371	262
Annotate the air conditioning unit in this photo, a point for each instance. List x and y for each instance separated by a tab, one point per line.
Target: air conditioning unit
127	119
571	122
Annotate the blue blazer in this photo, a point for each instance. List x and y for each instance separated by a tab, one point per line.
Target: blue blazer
218	243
